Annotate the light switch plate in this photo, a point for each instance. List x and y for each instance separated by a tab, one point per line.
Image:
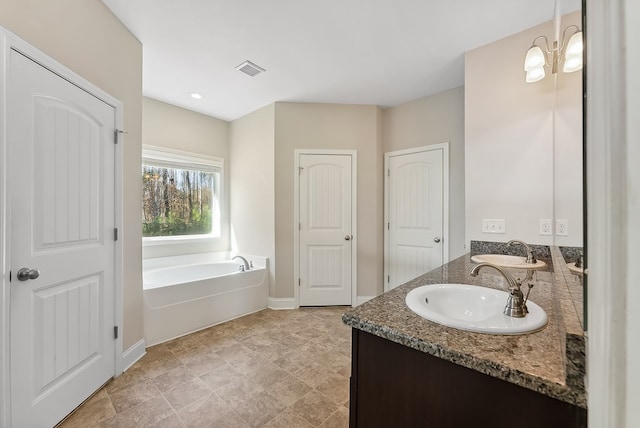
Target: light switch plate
495	225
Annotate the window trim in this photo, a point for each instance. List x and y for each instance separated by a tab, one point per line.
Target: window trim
182	159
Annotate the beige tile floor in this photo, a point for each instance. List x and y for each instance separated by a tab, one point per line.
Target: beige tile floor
269	369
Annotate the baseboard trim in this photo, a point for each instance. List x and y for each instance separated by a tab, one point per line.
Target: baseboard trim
363	299
279	303
133	354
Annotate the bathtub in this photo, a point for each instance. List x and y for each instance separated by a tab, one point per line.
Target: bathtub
184	294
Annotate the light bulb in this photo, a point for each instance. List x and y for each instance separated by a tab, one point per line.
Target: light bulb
573	54
535	75
572	64
534	59
574	47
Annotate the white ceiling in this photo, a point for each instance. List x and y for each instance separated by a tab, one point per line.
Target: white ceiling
380	52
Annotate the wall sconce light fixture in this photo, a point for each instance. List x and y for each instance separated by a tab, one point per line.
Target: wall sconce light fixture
569	53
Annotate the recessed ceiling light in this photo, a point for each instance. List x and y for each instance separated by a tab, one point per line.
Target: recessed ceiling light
196	95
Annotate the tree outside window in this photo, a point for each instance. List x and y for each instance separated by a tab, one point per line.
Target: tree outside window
179	200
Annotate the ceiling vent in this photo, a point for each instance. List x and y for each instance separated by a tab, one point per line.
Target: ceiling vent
250	69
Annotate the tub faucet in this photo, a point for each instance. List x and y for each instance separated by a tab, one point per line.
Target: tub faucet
245	264
531	259
516	303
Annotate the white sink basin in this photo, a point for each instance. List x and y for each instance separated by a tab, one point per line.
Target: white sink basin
472	308
508	261
575	270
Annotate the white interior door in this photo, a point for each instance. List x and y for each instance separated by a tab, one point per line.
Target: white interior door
61	157
325	230
415	221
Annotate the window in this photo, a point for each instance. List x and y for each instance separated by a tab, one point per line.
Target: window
180	194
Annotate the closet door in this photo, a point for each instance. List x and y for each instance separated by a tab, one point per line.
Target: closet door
61	157
415	223
326	235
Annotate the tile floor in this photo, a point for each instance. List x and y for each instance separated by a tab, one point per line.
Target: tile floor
269	369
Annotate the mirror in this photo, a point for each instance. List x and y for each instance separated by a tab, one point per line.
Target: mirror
568	149
523	143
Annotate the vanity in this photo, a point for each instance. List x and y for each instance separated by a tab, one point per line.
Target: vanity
408	371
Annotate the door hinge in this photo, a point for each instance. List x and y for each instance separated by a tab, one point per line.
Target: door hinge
9	276
116	133
388	278
388	173
115	233
115	331
388	226
299	282
299	226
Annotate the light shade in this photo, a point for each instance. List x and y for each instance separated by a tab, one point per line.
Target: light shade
535	74
573	54
534	59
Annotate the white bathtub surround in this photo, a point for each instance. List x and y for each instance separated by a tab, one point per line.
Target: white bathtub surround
187	293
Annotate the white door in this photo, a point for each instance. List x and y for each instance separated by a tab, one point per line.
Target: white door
326	234
414	215
61	157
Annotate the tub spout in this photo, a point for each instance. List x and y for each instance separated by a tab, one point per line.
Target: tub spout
245	263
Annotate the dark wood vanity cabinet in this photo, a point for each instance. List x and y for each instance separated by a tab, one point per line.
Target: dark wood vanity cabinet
396	386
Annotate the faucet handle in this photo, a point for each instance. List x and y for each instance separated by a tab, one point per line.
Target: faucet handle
524	303
531	258
517	283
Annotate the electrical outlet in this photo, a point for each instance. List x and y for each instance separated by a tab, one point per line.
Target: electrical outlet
546	227
493	225
562	227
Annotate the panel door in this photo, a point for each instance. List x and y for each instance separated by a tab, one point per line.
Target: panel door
415	219
61	155
326	235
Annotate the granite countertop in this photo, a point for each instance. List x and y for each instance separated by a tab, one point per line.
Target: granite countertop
541	361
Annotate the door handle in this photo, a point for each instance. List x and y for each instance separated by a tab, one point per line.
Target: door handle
26	274
348	237
436	239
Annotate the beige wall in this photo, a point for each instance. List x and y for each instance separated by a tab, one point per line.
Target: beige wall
510	143
86	37
172	127
431	120
252	165
330	126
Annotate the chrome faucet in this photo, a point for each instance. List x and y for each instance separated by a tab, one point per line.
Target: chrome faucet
531	259
579	262
516	303
245	264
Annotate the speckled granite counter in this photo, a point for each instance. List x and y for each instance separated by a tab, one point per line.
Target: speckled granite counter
537	361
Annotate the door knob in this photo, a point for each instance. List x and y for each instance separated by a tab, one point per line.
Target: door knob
26	274
348	237
436	239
